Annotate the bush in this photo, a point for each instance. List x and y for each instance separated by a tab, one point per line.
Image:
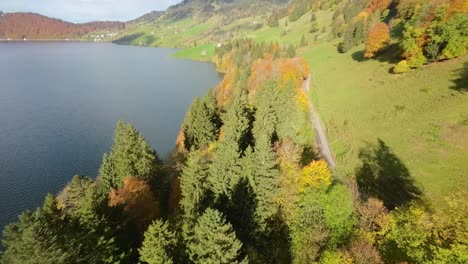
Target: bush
401	67
417	61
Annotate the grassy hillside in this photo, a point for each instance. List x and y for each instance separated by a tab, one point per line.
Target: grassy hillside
422	116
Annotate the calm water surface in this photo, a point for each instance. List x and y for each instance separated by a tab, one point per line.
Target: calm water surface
59	103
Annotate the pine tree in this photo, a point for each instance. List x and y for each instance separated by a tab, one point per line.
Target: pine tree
265	173
199	128
214	241
212	105
291	51
158	244
225	170
130	156
193	184
303	42
48	235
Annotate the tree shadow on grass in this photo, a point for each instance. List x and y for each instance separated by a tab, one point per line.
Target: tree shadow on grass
358	56
391	54
461	83
127	39
385	176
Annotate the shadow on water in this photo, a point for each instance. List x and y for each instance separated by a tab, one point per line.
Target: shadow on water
385	176
461	82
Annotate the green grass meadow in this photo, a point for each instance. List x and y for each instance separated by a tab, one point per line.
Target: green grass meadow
421	115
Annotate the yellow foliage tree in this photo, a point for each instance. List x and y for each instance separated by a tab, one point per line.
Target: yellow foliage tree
315	175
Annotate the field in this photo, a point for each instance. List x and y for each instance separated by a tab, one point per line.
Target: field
422	116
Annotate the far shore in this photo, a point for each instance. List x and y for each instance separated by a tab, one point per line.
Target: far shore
50	40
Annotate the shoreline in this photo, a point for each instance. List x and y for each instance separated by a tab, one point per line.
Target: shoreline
51	40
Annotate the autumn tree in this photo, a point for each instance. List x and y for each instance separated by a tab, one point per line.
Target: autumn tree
432	238
137	199
214	241
130	156
315	175
378	36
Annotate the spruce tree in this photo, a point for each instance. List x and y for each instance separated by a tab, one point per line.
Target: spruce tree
130	156
193	184
265	173
158	244
48	235
291	51
225	170
214	241
212	105
199	127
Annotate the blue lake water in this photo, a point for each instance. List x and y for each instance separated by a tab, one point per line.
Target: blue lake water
59	103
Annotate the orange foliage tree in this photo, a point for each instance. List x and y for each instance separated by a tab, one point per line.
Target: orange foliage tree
138	201
378	36
379	5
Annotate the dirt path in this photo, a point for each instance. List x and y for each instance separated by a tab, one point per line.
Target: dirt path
320	137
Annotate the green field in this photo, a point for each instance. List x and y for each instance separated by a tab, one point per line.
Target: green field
422	116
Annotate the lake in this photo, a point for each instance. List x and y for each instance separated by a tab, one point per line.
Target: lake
59	104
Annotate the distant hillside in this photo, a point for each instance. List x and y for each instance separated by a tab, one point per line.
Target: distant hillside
229	8
35	26
151	16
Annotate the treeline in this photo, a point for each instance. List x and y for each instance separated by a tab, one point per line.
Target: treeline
415	32
424	31
34	26
244	185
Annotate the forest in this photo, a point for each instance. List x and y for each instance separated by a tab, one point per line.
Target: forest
246	183
34	26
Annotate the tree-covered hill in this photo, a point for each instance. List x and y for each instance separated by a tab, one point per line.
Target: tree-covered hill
32	26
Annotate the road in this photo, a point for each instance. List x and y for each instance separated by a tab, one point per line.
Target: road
320	136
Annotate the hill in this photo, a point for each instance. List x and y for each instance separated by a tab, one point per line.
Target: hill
37	27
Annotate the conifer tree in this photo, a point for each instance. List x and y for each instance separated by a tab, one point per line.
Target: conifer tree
199	128
214	241
212	105
291	51
158	244
225	170
50	236
193	184
265	173
130	156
